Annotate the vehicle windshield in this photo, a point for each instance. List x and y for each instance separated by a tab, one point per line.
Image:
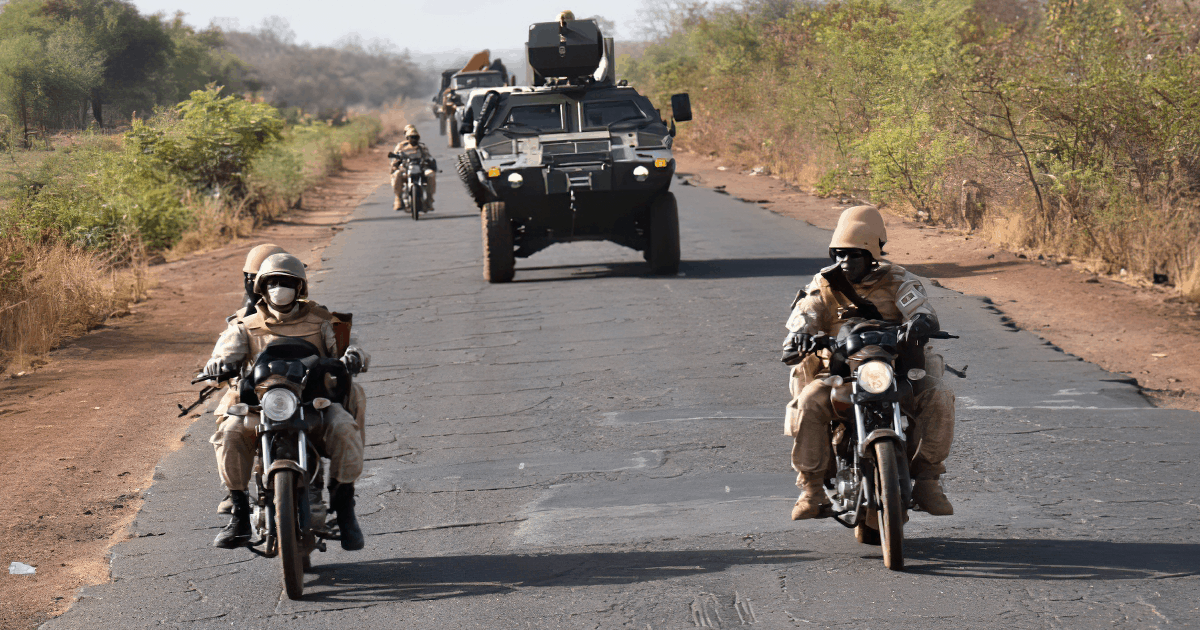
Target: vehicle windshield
480	80
605	113
540	117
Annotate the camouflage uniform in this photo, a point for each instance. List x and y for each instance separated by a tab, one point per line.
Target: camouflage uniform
900	297
339	436
412	150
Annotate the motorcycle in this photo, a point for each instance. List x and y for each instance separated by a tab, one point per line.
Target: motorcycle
871	491
414	186
285	391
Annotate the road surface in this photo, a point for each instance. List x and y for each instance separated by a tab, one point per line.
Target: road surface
592	446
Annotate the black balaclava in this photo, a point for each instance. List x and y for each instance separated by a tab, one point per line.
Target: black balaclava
855	263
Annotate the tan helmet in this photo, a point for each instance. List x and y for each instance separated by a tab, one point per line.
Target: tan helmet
860	227
258	254
411	132
282	265
566	16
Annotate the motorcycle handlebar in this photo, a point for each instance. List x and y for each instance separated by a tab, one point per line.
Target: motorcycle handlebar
223	376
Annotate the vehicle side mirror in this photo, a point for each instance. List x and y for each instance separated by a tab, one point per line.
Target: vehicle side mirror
681	107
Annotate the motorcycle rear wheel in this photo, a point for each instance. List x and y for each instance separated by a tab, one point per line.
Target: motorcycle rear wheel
891	516
287	528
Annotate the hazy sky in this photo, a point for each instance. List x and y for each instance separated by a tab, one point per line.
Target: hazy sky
423	26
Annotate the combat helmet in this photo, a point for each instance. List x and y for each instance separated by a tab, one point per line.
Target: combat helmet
282	265
410	132
860	227
258	254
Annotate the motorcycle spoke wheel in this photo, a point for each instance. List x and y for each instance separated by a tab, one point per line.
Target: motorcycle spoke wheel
891	516
287	528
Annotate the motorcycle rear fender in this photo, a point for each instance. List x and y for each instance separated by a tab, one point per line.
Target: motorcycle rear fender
283	464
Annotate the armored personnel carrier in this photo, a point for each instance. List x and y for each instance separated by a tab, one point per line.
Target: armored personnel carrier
574	156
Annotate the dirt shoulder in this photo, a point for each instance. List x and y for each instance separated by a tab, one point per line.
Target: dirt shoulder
84	432
1146	332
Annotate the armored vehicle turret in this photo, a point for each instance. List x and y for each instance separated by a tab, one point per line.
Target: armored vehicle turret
573	156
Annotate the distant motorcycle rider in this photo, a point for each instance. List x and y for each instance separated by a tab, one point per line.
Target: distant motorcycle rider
413	149
284	312
900	297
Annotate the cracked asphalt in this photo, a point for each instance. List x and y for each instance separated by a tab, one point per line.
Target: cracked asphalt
594	447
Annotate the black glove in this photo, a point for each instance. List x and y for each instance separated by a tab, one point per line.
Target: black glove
919	327
793	345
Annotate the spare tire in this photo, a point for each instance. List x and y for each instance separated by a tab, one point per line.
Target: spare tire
469	167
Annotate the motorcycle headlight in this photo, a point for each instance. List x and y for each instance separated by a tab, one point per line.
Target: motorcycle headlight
875	377
279	404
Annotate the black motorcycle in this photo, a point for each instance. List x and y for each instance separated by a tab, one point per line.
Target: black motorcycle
871	491
288	388
415	185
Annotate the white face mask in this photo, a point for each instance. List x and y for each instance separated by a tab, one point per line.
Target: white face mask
281	296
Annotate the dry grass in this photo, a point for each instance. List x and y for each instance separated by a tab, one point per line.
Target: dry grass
52	292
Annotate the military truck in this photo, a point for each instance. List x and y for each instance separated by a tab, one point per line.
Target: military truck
479	72
576	156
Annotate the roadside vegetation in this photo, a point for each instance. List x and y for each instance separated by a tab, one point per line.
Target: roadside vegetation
126	139
1069	127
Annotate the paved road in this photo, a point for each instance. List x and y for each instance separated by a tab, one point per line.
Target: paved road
591	446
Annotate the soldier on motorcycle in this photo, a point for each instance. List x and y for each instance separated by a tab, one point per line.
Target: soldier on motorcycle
284	311
900	298
413	149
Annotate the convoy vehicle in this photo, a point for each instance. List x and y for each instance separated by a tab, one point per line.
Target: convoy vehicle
479	72
574	156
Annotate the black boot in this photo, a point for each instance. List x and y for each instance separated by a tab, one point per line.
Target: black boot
341	501
237	532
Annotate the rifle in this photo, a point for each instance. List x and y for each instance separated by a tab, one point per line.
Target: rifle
205	393
837	280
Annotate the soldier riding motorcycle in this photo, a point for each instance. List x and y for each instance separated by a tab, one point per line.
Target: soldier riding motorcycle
414	174
286	314
865	313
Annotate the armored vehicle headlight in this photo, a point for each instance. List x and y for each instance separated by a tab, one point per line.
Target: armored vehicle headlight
660	163
875	377
515	180
279	404
494	171
640	173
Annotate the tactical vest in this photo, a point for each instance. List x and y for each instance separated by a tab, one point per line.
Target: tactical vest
304	325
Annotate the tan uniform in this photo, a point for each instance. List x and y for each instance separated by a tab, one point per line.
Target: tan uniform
400	176
899	295
339	436
356	401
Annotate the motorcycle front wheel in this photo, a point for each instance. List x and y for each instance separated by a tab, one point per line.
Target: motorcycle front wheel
414	202
891	516
287	528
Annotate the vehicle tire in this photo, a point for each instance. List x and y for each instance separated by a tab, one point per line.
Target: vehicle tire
664	235
455	137
415	201
498	259
891	516
287	528
866	535
468	167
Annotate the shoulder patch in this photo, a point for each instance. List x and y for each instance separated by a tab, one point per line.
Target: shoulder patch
908	298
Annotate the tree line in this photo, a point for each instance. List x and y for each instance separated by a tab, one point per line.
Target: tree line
74	63
1067	126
